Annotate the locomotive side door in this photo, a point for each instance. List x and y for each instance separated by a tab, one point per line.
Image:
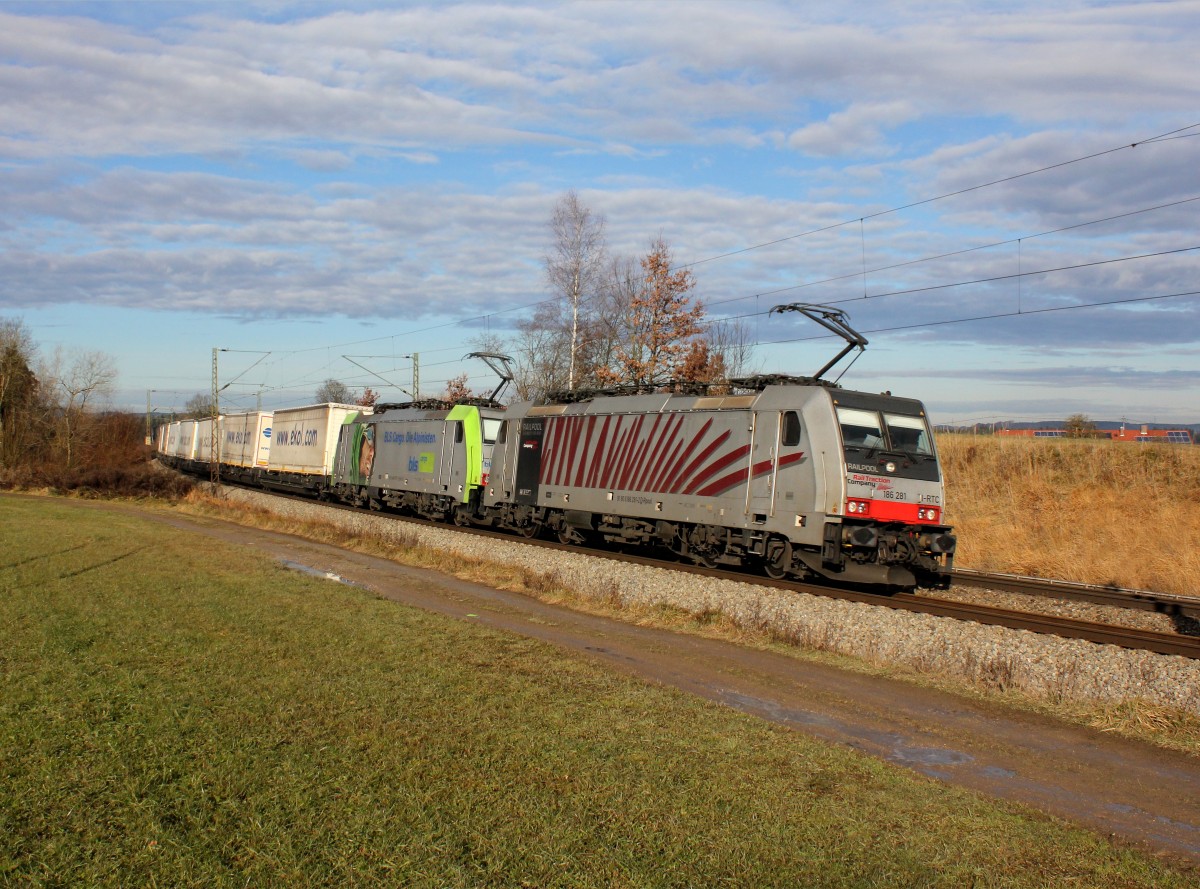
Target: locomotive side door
764	448
454	460
529	460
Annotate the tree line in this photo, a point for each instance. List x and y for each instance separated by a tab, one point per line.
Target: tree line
52	416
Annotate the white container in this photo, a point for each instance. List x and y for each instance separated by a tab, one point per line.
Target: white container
185	441
204	440
304	439
246	439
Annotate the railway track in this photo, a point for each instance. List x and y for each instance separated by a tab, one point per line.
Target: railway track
1096	594
1065	627
1069	628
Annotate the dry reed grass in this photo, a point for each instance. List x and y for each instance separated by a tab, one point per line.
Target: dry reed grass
1083	510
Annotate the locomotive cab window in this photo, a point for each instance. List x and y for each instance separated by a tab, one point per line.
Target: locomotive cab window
909	434
791	429
458	432
493	431
860	429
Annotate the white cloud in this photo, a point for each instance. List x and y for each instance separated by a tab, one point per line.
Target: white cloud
402	162
460	75
858	130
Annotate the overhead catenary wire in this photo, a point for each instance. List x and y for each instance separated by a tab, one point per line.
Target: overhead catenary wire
864	271
1162	137
997	315
952	253
1179	132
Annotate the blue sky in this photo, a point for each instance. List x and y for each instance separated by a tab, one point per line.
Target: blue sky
316	181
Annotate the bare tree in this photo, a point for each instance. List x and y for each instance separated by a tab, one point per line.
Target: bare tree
575	263
730	339
624	279
1079	426
542	353
334	391
77	381
199	406
658	323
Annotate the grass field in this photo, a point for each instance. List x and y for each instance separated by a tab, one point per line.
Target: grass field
1085	510
181	713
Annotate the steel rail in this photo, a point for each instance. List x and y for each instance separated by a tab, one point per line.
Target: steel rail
1045	624
1096	594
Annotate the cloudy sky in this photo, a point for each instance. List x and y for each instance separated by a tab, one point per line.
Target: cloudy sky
1003	197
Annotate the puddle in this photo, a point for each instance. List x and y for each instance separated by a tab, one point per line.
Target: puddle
316	572
895	744
930	756
997	772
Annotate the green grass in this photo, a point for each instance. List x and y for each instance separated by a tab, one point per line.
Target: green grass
175	712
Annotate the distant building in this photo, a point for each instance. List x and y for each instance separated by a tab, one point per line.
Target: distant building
1144	434
1170	436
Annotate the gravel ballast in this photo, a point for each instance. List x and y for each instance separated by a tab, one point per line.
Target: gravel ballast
1044	666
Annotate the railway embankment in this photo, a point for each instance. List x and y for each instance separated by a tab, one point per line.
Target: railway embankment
1046	668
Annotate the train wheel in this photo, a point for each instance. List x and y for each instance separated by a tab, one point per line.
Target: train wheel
779	559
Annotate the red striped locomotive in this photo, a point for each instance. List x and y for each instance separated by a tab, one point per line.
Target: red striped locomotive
801	479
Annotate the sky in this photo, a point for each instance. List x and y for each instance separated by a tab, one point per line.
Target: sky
1002	197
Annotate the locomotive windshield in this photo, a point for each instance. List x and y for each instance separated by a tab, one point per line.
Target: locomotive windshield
860	429
909	434
870	431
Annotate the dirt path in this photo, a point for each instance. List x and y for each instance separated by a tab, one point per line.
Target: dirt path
1134	792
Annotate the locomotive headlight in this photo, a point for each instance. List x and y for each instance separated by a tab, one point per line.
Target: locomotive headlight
927	514
890	467
858	507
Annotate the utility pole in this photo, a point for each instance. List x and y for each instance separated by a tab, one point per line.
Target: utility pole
215	456
416	359
214	460
149	431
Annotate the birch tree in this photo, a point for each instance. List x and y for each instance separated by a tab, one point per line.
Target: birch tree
575	264
78	381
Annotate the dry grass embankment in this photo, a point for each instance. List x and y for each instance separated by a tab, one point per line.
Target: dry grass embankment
1082	510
